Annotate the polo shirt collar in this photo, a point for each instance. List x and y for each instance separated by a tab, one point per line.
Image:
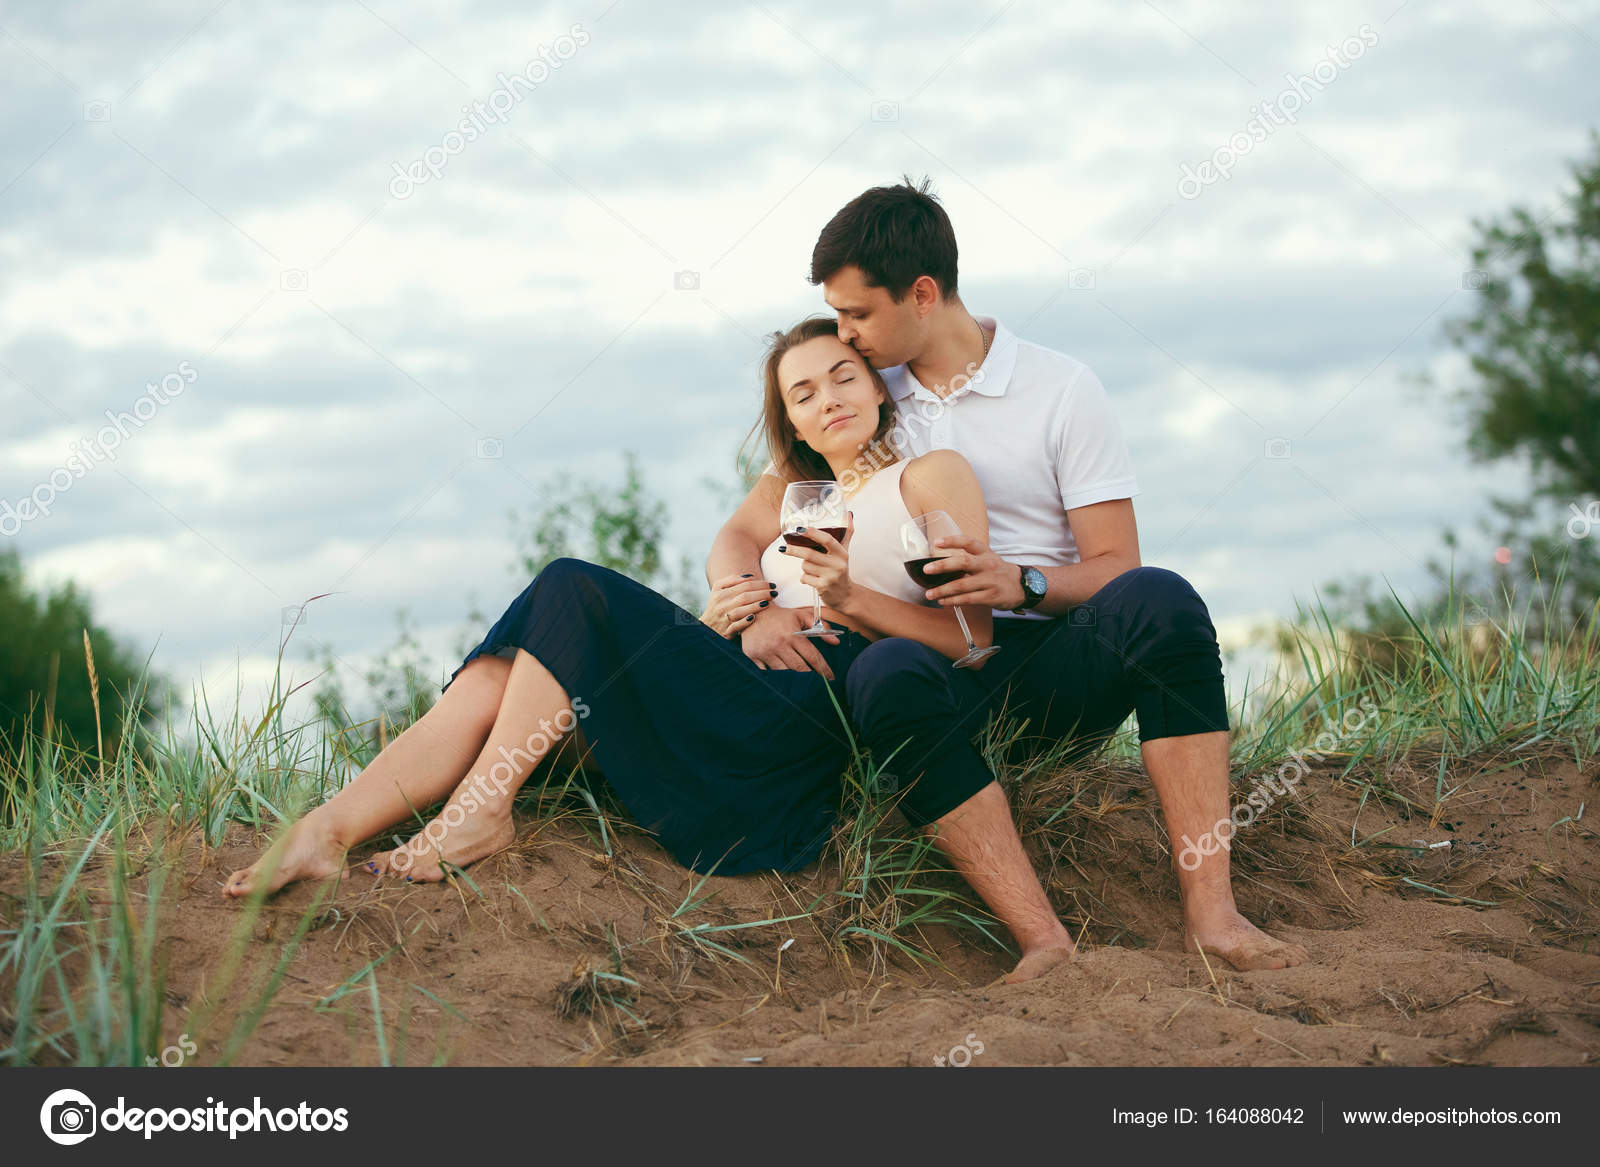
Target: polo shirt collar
996	369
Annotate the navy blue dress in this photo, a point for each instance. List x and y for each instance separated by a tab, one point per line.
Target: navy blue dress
732	766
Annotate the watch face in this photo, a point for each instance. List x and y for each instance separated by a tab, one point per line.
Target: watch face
1034	581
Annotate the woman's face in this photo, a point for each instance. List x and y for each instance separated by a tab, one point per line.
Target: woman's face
829	396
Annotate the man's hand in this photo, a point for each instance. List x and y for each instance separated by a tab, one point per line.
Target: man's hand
770	641
989	580
734	599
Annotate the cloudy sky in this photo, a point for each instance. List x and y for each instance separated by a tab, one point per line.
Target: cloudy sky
274	216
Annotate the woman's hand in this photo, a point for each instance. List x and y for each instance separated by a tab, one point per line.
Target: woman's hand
733	601
829	571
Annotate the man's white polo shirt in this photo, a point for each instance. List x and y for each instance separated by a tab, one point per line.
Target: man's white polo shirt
1038	428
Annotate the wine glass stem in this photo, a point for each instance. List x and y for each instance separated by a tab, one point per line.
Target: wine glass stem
965	631
816	608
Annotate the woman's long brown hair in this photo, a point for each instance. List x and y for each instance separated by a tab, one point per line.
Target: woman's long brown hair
792	459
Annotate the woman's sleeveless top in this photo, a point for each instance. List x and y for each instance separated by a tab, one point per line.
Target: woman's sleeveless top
877	559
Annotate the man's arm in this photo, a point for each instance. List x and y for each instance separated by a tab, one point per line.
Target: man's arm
1092	466
1108	545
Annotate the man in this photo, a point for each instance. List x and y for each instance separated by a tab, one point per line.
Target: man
1088	634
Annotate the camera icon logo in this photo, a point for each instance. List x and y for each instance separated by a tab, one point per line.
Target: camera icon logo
686	281
1080	279
1083	616
294	614
68	1117
97	111
294	279
1475	280
490	448
885	111
1277	449
682	617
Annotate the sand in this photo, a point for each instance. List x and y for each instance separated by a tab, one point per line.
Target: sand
502	974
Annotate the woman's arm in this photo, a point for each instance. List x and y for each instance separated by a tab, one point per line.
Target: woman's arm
940	480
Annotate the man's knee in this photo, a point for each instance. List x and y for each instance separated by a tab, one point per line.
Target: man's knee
1148	597
887	666
1152	586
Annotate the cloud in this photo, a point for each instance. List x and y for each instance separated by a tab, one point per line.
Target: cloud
233	208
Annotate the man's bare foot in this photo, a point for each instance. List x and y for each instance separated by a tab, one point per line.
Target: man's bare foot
1039	960
1242	944
478	833
308	851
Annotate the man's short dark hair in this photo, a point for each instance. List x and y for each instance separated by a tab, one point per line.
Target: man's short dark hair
895	235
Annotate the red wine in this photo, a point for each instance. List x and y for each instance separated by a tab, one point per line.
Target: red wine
914	570
808	541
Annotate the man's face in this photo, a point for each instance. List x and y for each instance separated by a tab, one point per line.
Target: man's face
883	332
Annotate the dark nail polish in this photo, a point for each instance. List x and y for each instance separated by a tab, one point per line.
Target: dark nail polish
752	616
799	530
748	575
782	550
764	603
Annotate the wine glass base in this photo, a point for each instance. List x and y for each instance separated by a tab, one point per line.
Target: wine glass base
818	630
975	656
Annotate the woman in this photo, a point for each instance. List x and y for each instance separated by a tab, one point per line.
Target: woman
734	767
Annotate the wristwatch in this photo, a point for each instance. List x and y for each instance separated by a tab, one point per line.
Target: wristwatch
1034	586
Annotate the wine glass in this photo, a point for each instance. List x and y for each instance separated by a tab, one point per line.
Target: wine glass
813	504
917	549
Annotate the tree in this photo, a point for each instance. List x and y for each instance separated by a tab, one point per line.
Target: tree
1533	343
622	529
1532	340
44	674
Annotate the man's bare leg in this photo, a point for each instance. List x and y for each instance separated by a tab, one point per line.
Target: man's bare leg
981	841
534	714
417	769
1190	773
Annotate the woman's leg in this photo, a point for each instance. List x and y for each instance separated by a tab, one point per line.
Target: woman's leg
535	713
417	769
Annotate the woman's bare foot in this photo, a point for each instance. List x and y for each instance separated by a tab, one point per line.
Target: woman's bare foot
1242	944
1039	960
309	850
478	833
